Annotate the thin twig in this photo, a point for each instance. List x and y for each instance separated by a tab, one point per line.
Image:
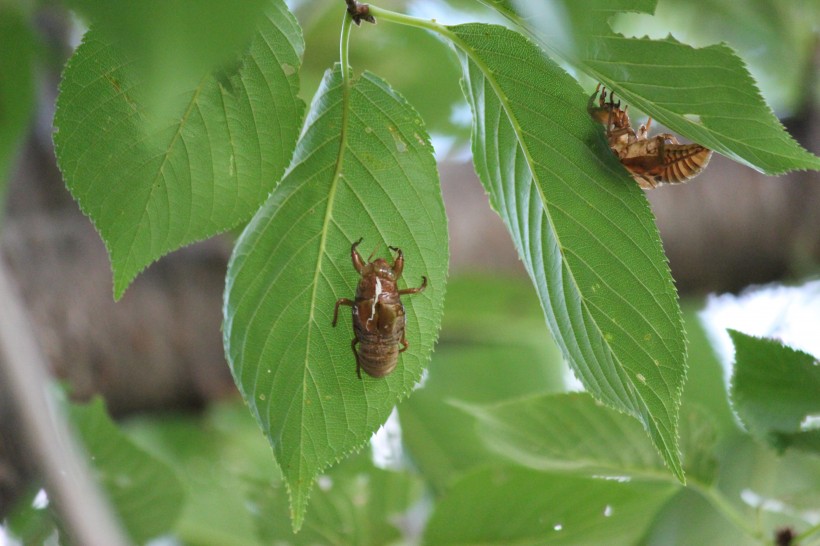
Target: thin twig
44	428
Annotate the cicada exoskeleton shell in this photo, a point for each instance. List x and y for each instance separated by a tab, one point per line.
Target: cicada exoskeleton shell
378	314
651	161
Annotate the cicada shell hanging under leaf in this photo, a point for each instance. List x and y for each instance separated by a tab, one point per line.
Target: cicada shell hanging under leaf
653	161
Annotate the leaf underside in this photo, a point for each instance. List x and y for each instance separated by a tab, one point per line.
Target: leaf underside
581	226
145	492
152	183
565	432
705	94
363	167
575	433
774	389
519	506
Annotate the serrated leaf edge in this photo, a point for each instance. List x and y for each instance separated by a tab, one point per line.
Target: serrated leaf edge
488	75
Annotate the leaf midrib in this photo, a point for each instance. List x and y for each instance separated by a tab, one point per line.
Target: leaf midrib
343	133
154	183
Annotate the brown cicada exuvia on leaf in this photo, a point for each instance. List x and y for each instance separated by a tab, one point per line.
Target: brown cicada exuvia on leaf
378	314
653	161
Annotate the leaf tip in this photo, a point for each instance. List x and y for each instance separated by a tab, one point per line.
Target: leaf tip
671	454
119	290
678	471
299	494
122	280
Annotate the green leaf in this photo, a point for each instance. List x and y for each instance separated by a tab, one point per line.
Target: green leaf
763	32
363	167
774	389
245	502
171	43
492	348
220	457
581	226
699	436
572	432
355	503
28	522
146	494
566	432
523	507
439	438
705	94
152	183
16	86
705	384
690	518
757	492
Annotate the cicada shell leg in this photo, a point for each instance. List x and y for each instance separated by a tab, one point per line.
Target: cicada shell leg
341	301
414	290
358	261
644	182
643	130
591	102
398	265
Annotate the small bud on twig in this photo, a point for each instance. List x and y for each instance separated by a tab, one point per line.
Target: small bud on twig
359	12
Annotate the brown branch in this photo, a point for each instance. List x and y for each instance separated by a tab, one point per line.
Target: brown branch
65	471
359	12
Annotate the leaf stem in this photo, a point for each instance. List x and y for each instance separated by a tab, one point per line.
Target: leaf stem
442	30
724	507
803	537
344	47
408	20
445	32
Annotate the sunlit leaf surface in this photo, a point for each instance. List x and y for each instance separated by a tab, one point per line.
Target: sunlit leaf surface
518	506
774	389
152	183
363	168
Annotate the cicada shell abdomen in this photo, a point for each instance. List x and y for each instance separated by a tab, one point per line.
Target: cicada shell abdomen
673	164
378	352
683	162
378	320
